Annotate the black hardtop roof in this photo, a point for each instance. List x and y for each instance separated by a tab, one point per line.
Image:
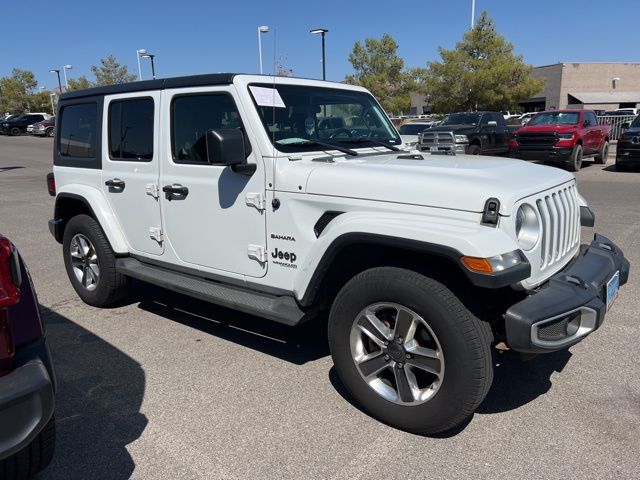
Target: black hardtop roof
159	84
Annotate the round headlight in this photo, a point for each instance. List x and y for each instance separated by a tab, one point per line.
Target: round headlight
527	227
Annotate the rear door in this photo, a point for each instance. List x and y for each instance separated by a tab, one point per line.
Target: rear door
487	133
130	167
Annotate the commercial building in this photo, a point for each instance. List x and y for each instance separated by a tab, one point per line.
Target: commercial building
598	86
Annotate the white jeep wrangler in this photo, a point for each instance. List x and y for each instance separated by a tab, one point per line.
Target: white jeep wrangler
286	198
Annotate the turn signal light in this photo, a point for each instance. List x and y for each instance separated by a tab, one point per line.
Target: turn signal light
475	264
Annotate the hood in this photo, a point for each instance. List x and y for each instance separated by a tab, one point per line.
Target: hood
454	128
460	182
548	128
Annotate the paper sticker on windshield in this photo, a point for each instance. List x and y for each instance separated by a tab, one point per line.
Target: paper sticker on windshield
267	97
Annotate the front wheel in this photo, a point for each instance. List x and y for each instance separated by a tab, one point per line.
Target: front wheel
50	132
90	263
14	131
408	351
575	162
474	150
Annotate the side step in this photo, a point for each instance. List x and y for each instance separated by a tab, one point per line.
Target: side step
279	309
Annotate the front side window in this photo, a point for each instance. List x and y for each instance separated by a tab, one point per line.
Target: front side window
299	116
192	116
78	130
131	129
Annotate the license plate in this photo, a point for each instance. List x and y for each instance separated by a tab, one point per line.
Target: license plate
612	289
433	149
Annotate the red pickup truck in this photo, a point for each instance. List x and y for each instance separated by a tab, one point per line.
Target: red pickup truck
562	136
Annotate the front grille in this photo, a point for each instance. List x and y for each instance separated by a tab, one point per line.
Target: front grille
437	138
537	139
560	215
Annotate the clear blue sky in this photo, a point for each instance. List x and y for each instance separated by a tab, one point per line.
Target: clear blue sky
198	36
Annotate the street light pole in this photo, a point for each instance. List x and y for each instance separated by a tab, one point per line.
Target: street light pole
64	71
262	29
151	56
57	72
322	32
140	51
473	12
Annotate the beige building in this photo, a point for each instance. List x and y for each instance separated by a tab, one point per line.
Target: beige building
598	86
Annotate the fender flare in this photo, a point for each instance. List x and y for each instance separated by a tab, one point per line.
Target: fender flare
100	210
497	280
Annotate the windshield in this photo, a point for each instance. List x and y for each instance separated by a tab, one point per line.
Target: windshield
636	122
17	117
413	128
462	119
295	117
556	118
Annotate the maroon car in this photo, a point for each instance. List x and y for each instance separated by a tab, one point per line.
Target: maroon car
45	128
27	380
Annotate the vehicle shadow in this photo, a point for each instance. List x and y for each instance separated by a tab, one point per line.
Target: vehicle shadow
515	383
298	345
100	391
6	169
612	169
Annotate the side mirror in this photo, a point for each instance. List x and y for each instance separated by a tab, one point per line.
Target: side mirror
492	123
625	125
586	123
226	146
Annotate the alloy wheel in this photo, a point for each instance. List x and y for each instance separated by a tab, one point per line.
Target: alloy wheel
84	261
397	353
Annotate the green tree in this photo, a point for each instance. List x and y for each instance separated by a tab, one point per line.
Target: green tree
379	69
111	72
481	71
16	90
78	83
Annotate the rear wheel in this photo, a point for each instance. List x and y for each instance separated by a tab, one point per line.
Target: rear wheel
408	351
90	263
575	162
33	458
601	157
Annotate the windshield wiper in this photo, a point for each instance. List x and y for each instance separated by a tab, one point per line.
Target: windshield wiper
330	146
370	140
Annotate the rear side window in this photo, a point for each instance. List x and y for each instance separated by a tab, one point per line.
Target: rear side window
131	130
78	130
192	116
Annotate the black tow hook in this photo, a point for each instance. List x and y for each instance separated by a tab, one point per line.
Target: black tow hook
577	281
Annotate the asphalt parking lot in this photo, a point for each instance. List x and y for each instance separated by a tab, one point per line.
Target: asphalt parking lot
168	387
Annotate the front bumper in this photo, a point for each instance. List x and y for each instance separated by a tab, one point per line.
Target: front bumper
547	153
626	155
571	305
26	399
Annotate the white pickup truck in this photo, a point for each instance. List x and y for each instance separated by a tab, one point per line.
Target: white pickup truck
287	198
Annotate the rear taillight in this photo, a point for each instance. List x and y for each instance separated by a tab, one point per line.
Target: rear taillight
51	184
9	295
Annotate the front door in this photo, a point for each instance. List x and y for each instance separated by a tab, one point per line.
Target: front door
212	216
130	157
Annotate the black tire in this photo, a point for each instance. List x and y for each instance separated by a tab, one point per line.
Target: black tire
474	150
14	131
50	132
111	286
33	458
575	162
465	341
621	168
601	158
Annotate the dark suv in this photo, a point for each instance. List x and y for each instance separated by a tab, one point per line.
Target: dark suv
18	125
27	381
628	149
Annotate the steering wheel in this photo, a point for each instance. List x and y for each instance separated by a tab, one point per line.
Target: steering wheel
340	131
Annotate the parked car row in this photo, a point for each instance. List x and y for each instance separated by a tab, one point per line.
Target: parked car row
564	137
35	123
